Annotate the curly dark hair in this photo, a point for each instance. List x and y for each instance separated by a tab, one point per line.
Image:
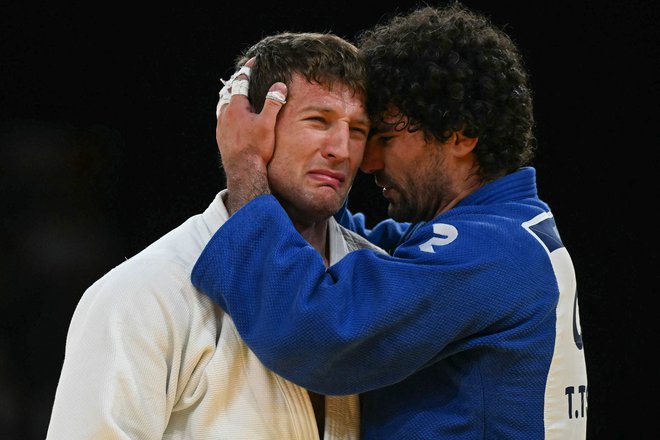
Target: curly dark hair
321	58
450	69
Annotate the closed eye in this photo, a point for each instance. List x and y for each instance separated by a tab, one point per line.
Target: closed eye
381	138
319	119
360	132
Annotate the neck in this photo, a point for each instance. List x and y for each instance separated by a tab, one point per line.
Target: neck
471	184
316	234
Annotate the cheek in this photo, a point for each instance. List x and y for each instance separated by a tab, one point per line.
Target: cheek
392	158
280	161
287	163
406	155
278	175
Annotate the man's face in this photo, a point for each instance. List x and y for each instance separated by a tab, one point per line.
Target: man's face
320	137
411	171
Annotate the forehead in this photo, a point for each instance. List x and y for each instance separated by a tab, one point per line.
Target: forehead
392	119
302	92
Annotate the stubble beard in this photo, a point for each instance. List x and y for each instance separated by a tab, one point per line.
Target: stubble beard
307	207
419	197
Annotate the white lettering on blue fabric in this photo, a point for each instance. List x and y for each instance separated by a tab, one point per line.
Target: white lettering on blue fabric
446	234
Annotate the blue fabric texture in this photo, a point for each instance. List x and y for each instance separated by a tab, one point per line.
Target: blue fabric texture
450	336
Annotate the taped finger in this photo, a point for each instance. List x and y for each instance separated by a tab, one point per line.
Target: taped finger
245	70
233	86
276	95
225	96
240	87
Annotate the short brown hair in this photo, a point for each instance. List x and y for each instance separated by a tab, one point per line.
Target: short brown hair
322	58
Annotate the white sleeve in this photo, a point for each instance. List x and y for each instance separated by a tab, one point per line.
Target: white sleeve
121	368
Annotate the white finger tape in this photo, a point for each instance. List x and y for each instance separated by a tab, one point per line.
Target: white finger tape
233	86
276	95
240	87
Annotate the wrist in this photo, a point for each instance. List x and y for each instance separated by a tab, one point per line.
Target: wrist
246	184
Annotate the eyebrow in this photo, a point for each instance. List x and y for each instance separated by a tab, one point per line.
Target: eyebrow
380	128
364	121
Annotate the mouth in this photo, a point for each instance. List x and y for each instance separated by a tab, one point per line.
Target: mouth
385	185
328	177
382	183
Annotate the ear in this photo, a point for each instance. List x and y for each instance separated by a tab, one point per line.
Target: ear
462	145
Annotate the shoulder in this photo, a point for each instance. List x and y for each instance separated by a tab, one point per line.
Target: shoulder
145	293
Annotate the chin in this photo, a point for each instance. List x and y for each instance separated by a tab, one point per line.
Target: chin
399	215
326	201
316	205
322	211
393	214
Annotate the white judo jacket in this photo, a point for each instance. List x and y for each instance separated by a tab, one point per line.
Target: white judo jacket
148	356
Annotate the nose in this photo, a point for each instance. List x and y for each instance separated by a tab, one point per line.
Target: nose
337	146
372	160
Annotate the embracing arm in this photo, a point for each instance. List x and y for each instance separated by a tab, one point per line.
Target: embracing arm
369	321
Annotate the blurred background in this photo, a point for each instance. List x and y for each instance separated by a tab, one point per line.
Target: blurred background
107	142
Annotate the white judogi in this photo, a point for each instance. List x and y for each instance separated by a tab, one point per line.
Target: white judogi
148	356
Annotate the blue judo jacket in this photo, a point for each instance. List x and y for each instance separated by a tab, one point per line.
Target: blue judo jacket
469	329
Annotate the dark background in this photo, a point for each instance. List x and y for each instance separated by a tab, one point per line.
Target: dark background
107	142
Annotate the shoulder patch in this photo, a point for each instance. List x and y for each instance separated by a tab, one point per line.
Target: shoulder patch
544	229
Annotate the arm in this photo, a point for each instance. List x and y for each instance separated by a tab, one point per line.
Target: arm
121	363
369	321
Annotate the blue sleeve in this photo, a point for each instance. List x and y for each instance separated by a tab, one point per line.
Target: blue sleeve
366	322
387	234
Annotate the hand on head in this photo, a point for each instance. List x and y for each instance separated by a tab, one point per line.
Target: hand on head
240	131
246	139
